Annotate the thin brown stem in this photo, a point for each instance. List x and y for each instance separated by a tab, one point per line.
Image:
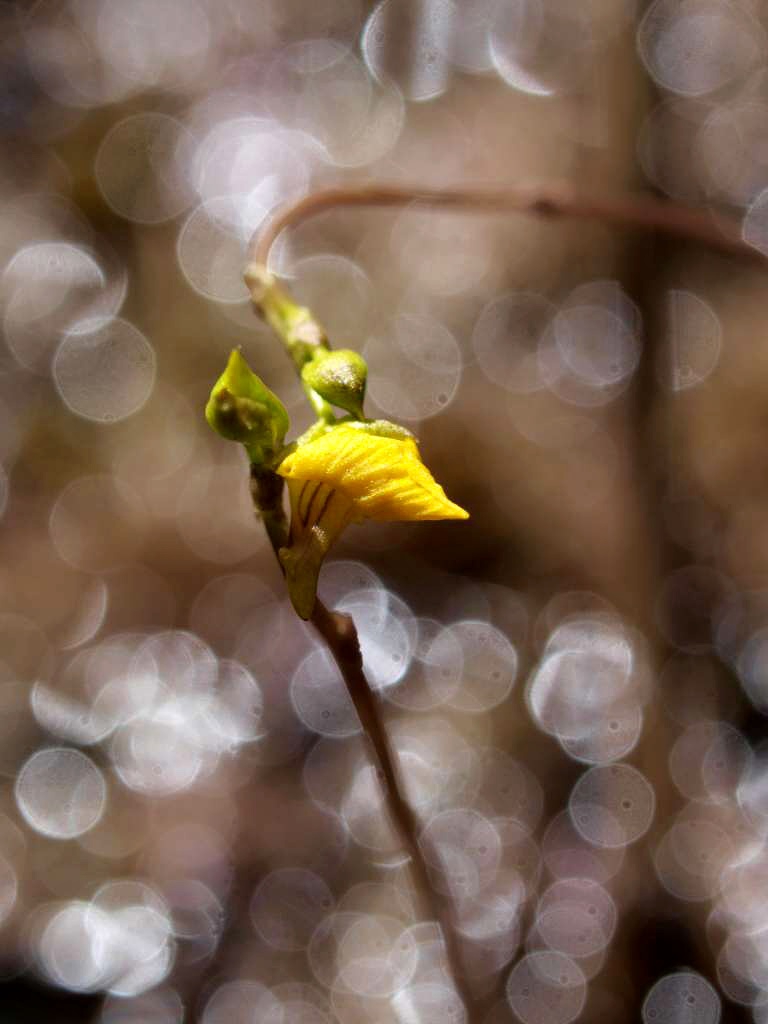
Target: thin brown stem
340	634
555	201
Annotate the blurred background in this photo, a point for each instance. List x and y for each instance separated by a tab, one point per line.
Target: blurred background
575	680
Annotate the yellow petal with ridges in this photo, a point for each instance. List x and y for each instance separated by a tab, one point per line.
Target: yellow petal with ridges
383	476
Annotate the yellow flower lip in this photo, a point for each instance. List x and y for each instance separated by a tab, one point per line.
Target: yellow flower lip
383	477
344	475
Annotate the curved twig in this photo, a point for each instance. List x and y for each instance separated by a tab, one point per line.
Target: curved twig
556	200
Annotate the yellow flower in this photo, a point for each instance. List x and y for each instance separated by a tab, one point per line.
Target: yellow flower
346	475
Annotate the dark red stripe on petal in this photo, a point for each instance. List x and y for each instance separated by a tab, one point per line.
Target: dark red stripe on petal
318	489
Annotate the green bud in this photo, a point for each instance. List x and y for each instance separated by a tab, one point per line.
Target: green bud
339	377
242	408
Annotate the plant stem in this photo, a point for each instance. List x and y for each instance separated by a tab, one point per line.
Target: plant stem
555	200
294	325
301	334
267	497
339	633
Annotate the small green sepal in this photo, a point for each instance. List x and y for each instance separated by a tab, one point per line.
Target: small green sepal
242	408
382	428
338	376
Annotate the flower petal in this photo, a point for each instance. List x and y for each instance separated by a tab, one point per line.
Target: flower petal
383	476
318	515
